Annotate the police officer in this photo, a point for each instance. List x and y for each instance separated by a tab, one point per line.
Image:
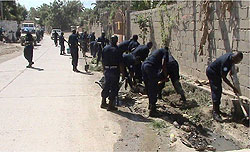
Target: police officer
112	64
18	34
134	43
103	41
141	52
92	42
28	49
151	70
55	38
123	46
84	42
172	68
217	70
61	43
73	44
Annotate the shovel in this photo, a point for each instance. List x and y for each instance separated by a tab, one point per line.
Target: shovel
86	68
246	119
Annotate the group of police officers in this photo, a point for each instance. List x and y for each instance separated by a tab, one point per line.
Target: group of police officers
138	64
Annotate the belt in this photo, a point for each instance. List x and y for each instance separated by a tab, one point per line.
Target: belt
110	67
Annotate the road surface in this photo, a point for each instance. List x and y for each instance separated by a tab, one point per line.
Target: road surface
52	108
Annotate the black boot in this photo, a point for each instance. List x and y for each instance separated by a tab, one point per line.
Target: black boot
216	112
153	112
183	98
111	106
104	105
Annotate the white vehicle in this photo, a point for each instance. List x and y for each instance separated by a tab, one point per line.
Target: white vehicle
58	31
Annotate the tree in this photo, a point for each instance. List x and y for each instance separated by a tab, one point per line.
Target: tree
13	11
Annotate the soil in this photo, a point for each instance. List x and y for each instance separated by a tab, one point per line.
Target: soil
191	121
9	51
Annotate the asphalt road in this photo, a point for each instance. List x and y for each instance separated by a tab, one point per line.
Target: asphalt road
52	108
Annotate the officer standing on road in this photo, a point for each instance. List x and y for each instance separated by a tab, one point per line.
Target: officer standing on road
55	38
172	69
61	43
92	42
104	41
134	43
84	42
112	64
151	70
141	52
28	49
73	45
217	70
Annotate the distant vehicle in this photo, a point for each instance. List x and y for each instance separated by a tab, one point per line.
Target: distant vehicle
58	32
28	26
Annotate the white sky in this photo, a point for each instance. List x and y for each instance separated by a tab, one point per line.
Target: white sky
35	3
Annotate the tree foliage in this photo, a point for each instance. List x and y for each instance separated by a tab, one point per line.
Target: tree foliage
58	14
14	11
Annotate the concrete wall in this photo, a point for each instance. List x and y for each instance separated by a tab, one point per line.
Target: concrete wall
9	26
228	34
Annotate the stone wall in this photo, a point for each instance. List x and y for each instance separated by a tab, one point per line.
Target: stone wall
228	33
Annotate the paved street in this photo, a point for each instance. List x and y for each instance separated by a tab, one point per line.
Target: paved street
51	108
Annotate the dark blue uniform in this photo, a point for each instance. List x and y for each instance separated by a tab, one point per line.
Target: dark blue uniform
129	61
172	68
28	49
221	66
142	52
61	43
151	73
92	37
132	45
94	48
111	59
124	45
104	41
92	44
55	38
84	42
73	41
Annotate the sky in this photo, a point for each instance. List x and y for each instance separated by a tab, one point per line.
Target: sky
35	3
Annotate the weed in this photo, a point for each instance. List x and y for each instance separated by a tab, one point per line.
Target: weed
158	124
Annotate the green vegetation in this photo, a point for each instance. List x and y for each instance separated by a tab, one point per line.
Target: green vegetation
158	124
60	14
143	22
14	11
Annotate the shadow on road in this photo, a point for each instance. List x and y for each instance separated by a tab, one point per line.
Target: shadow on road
87	73
38	69
132	116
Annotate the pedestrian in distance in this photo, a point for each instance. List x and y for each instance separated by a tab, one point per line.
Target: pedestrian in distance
61	43
103	42
28	49
55	38
84	43
216	72
113	66
73	45
152	68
